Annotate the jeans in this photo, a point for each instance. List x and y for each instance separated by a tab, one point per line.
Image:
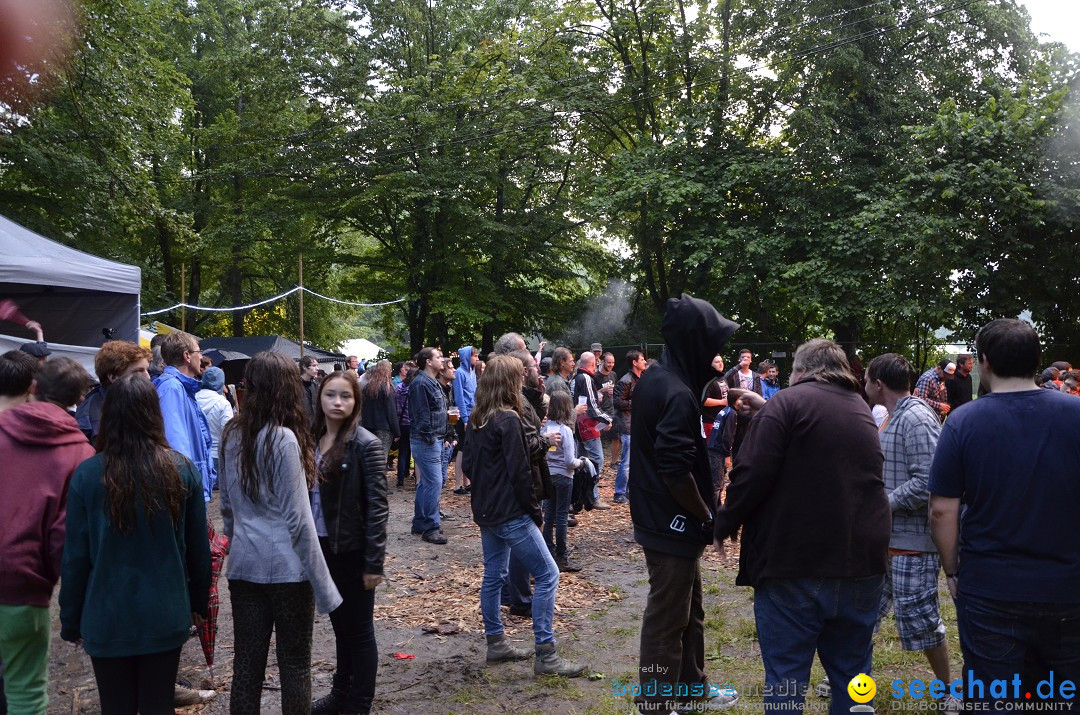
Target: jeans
287	611
672	631
517	586
404	454
1001	639
24	648
622	477
138	683
556	512
427	457
523	536
447	452
595	452
797	616
354	631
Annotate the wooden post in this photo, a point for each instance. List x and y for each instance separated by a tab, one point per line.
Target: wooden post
183	292
300	276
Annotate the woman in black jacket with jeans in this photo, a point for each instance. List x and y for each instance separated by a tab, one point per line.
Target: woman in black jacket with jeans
505	507
350	509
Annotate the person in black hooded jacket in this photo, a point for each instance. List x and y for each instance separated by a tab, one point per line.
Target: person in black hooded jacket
670	496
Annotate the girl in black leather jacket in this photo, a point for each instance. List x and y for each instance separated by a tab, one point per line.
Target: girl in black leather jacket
350	509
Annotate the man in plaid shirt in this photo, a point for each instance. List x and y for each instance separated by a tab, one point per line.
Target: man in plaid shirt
931	389
909	436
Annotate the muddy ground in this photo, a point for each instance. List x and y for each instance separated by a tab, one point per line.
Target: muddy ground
432	587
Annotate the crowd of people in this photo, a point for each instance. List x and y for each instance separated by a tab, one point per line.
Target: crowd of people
845	488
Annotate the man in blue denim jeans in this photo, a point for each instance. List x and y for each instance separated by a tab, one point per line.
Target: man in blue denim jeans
427	426
1014	567
807	490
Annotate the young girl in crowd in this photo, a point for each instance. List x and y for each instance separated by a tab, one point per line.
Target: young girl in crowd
504	506
350	509
136	567
276	571
562	462
379	412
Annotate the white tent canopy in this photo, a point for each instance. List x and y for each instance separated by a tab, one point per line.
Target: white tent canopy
74	295
361	348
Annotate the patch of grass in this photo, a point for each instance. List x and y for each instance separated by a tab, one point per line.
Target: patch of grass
550	684
469	696
624	631
641	582
747	630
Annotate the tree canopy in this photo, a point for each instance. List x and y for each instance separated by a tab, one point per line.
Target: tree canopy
870	171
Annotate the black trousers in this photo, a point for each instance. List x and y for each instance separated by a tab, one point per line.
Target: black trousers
404	454
137	684
354	631
672	628
260	609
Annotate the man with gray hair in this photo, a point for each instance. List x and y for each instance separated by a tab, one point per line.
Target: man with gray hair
595	420
807	492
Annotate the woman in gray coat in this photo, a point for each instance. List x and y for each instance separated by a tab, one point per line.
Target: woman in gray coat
276	571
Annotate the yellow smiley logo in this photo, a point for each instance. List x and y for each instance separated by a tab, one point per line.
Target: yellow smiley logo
862	688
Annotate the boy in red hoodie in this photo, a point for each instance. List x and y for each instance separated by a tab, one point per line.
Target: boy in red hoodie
40	446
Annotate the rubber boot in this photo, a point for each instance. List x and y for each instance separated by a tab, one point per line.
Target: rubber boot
500	650
548	662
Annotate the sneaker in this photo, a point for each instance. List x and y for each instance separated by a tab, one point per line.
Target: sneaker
548	662
566	565
189	696
725	700
601	505
953	704
571	521
521	611
461	491
823	689
500	650
434	537
620	499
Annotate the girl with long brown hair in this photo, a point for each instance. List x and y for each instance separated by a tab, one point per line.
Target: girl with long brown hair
505	507
379	412
350	508
276	571
136	568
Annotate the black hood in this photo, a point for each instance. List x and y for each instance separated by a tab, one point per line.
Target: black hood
693	334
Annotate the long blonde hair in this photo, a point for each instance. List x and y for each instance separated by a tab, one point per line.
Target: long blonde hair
498	389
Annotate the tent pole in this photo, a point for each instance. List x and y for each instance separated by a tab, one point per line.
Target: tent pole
300	276
183	298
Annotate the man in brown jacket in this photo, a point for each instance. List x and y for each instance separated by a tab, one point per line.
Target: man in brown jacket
807	491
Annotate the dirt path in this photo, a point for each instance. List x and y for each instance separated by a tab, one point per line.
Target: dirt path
598	614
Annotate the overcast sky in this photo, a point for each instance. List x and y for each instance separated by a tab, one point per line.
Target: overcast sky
1060	19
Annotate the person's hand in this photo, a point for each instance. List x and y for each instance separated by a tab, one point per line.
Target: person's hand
604	427
581	409
747	401
198	620
371	580
945	408
953	585
721	550
36	327
555	438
